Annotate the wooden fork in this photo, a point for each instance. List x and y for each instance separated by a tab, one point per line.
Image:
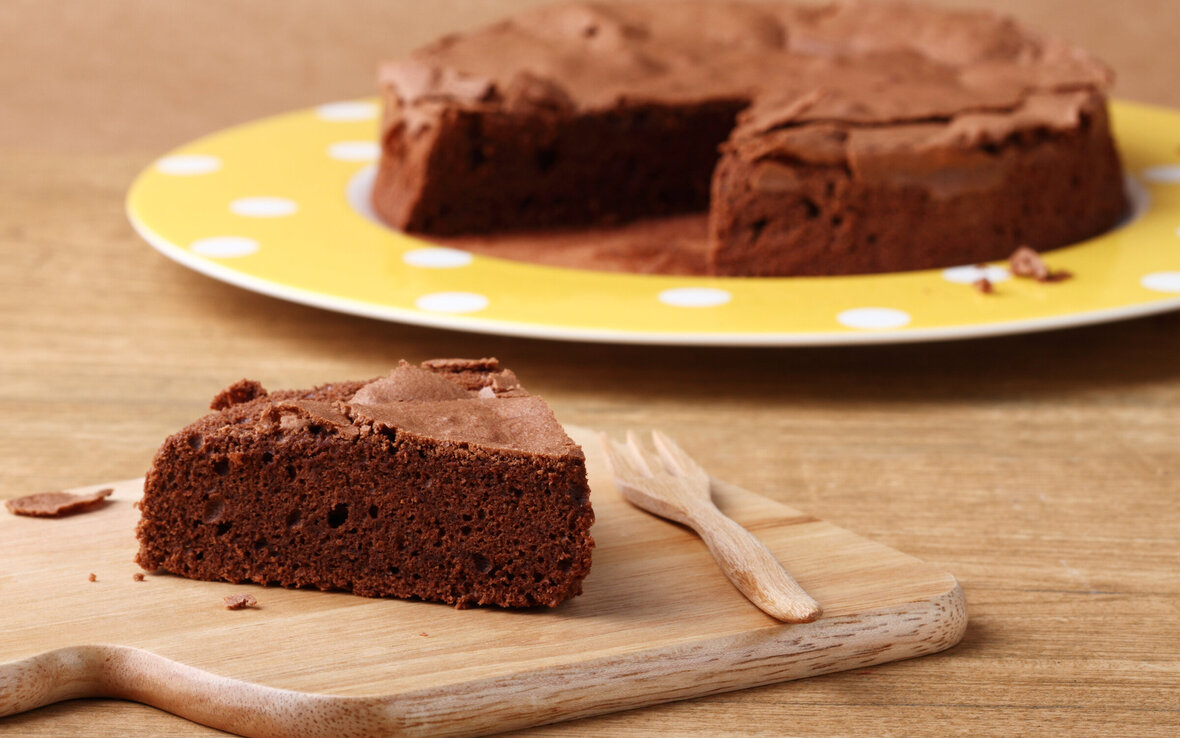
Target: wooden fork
673	486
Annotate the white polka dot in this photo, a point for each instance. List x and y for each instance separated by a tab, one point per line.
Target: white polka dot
263	207
695	297
1162	281
224	247
359	193
437	258
1163	174
354	150
452	302
1139	197
971	274
873	318
347	111
182	165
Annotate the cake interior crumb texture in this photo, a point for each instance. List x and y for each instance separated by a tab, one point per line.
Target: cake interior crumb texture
445	482
858	137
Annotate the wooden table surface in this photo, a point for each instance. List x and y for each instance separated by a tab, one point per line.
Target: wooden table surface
1042	470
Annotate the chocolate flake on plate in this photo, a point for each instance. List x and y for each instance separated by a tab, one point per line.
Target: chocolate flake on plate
56	504
239	601
1025	262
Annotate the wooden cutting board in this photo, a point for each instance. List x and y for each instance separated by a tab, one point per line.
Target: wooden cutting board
658	622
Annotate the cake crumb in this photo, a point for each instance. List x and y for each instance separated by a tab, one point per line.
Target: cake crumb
240	391
93	577
137	576
984	285
239	601
1025	262
57	504
423	634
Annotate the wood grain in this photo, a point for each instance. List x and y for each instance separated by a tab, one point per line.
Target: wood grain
657	622
1041	469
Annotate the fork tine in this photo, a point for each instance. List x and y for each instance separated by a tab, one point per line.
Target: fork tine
630	459
675	458
638	455
618	457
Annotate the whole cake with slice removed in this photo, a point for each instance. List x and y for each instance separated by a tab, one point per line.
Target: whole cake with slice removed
446	482
851	138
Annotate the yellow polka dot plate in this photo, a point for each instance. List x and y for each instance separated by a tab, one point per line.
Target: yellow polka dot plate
278	206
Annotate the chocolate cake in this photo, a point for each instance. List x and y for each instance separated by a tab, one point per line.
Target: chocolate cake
852	138
446	482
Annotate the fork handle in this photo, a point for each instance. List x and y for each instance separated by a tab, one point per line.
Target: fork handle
752	568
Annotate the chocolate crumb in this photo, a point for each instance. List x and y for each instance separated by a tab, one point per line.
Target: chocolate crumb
984	285
1025	262
240	391
239	601
137	576
56	504
93	577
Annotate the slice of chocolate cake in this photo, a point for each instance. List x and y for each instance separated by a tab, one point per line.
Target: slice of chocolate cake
447	482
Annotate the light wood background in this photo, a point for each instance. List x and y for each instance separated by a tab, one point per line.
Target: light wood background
1044	470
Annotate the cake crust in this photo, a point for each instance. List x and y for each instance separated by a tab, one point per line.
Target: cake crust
448	484
851	138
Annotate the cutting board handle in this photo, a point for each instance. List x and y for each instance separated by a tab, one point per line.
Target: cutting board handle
128	673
